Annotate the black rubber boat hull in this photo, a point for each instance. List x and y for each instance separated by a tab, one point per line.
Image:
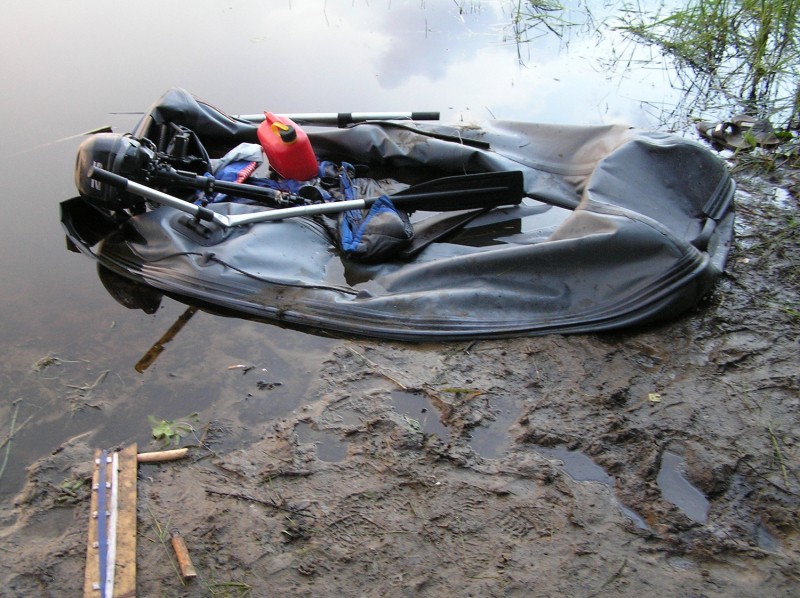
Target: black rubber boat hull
621	227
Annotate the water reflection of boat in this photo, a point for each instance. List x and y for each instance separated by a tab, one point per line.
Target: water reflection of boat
617	227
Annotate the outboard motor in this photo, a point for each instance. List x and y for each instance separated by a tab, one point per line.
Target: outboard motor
120	154
138	160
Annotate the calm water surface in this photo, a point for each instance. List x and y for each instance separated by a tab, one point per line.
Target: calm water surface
68	347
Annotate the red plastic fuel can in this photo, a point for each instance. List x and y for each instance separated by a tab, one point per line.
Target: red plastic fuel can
287	147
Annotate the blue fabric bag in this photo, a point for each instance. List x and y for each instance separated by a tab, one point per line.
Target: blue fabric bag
375	234
370	235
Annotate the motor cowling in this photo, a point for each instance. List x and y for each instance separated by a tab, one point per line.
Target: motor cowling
119	154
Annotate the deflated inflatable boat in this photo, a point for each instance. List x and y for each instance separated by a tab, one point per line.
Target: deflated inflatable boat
514	228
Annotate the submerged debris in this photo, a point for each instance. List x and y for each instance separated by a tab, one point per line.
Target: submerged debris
81	398
49	360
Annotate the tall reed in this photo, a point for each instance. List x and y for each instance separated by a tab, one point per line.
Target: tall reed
745	51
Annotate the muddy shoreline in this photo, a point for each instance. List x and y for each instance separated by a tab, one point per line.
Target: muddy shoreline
656	460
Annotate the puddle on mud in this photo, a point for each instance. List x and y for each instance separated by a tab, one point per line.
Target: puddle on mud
330	447
582	469
676	489
490	440
765	539
418	407
579	467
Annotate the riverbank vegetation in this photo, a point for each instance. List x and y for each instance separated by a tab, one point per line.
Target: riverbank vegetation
724	55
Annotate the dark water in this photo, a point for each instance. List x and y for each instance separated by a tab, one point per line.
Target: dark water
71	67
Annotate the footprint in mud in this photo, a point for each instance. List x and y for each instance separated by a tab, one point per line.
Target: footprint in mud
676	489
492	438
419	410
582	469
330	447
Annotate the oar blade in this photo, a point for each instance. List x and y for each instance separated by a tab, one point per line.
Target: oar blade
464	192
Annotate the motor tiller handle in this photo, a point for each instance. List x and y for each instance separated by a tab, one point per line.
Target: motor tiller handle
109	178
114	180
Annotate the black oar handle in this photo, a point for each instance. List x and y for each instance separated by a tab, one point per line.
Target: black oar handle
109	178
424	116
343	119
453	201
349	118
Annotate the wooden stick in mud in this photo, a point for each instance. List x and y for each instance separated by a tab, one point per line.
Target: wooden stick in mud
161	456
154	351
182	554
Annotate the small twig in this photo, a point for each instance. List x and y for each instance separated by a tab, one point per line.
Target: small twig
610	580
255	499
90	387
10	436
163	536
80	399
778	455
767	480
50	359
242	589
378	368
200	440
239	495
18	429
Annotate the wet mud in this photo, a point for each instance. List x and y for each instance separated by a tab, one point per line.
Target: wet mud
655	461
